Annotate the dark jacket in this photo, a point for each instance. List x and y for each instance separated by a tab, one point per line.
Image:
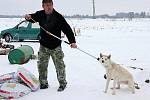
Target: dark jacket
53	23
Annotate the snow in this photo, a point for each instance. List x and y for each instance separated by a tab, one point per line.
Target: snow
124	40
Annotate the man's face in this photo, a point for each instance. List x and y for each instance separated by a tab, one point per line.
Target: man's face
48	7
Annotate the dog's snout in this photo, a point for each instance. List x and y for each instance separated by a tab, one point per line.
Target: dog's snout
102	61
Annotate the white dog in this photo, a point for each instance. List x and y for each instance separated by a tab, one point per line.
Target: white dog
117	73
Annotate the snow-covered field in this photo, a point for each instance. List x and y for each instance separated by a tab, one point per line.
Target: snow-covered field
124	40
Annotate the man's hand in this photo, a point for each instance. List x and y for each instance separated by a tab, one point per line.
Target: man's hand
27	17
73	45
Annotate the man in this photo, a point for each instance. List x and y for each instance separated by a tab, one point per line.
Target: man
54	23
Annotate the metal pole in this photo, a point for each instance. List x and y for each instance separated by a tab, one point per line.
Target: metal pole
65	41
93	9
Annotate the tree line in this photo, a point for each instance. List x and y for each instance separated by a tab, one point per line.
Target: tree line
129	15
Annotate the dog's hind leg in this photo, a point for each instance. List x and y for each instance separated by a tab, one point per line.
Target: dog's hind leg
131	85
118	85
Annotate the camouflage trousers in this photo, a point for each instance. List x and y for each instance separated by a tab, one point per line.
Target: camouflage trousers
57	56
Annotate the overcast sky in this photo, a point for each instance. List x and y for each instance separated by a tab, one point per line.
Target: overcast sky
71	7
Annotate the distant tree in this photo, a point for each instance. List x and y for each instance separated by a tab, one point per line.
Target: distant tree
143	15
148	15
136	15
130	16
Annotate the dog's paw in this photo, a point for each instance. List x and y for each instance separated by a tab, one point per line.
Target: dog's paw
113	93
105	91
112	88
115	88
133	92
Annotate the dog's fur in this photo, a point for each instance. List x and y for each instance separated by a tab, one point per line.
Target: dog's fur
117	73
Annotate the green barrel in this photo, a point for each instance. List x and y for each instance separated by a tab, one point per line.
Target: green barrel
20	55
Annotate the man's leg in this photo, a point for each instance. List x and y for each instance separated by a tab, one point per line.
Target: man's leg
43	59
57	56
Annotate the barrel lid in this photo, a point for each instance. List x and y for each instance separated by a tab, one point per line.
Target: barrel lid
16	56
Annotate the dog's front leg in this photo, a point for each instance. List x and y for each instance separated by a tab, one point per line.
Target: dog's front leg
107	84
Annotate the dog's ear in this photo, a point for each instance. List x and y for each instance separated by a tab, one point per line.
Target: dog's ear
101	55
109	56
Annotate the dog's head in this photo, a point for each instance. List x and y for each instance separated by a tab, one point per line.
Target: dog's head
105	59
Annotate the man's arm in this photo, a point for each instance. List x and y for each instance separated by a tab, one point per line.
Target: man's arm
29	17
68	31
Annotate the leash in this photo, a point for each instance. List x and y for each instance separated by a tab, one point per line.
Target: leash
65	41
135	67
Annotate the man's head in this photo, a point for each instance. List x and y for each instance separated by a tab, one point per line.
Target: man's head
47	6
47	1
